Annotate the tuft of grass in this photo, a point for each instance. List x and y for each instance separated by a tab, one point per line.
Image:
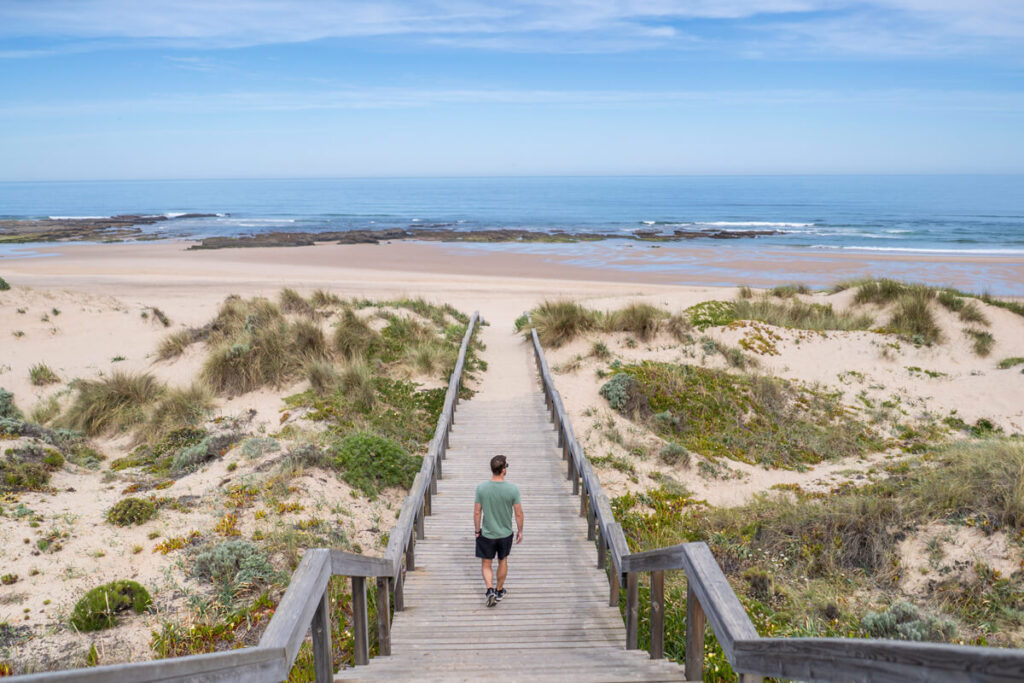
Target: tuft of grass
4	286
321	298
131	511
886	291
1007	363
353	336
174	344
256	358
560	321
40	374
797	314
785	291
745	292
754	419
427	358
982	341
178	408
308	340
971	313
356	382
113	403
912	317
293	302
678	326
160	316
98	609
323	377
643	320
46	411
600	351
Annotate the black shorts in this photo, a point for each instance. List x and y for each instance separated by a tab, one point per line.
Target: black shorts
486	548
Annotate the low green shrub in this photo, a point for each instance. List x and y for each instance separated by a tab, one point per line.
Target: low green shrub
4	286
7	407
234	567
370	462
99	607
981	341
903	621
674	454
28	467
131	511
1007	363
619	390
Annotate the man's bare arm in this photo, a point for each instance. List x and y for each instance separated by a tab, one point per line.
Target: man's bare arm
477	514
518	507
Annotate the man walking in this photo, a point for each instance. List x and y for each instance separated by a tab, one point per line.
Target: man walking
495	501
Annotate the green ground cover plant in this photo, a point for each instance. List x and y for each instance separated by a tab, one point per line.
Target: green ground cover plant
98	609
28	467
131	511
754	419
1007	363
4	286
796	560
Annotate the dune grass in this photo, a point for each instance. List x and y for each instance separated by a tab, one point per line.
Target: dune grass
353	336
174	344
754	419
111	404
800	315
40	375
642	320
913	319
293	302
178	407
796	559
981	341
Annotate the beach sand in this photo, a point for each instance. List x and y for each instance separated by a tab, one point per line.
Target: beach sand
78	308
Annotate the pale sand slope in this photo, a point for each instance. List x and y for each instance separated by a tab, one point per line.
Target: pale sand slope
101	292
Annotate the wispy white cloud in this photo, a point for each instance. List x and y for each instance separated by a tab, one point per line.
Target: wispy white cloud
406	98
892	26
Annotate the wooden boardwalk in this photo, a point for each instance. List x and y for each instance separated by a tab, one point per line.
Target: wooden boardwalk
555	623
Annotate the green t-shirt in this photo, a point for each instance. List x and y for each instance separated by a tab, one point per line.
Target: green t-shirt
496	498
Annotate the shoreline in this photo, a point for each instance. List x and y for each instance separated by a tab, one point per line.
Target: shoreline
635	263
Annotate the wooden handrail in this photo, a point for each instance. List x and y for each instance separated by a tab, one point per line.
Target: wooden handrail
710	598
305	607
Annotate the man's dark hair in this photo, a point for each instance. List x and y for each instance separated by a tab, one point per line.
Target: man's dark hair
498	463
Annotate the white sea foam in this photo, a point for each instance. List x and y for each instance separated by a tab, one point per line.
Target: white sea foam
754	224
77	218
911	250
174	214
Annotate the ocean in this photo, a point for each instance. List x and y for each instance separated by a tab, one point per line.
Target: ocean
917	214
946	215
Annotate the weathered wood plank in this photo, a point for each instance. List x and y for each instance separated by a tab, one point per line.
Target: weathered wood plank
876	660
720	604
288	627
251	664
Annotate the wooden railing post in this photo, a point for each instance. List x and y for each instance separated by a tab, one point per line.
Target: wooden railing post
657	648
410	554
632	611
613	585
583	505
591	521
400	591
359	621
602	550
323	660
694	636
419	519
383	616
426	497
568	471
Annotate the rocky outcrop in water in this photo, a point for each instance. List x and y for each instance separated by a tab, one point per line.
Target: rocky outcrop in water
105	229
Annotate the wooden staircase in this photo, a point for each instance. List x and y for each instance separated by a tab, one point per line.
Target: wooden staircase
555	623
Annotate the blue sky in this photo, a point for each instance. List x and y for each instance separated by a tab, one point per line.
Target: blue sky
122	89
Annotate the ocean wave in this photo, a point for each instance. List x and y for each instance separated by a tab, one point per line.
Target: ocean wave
254	221
77	218
730	224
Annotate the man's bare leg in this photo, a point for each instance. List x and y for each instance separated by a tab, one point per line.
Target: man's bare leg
502	572
488	573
